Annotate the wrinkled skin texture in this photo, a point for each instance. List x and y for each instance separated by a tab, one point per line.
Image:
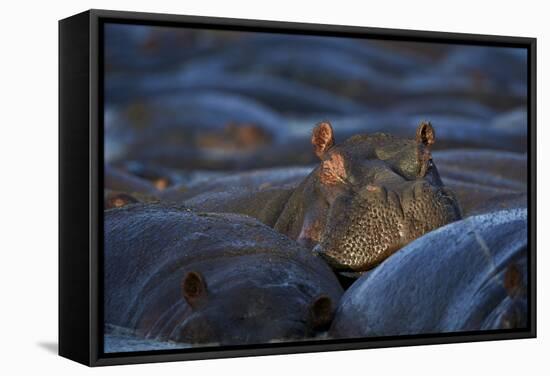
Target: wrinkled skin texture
469	275
198	278
370	196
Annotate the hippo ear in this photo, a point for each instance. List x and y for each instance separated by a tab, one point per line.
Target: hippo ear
425	134
333	169
322	138
118	200
320	312
193	288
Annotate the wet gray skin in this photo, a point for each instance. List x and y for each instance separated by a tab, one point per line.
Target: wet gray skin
477	281
203	278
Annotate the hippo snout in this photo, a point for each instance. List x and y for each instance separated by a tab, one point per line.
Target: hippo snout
382	219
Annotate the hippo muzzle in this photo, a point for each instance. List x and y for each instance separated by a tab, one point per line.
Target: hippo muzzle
365	228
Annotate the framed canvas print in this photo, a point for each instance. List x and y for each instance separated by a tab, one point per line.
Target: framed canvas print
238	187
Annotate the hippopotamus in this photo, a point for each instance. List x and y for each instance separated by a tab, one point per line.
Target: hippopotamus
142	49
342	66
241	183
281	94
368	197
498	169
468	275
191	130
484	180
211	278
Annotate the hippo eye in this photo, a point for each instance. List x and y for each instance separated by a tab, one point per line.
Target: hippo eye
430	164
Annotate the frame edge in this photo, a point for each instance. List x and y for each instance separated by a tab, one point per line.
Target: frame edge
74	188
93	358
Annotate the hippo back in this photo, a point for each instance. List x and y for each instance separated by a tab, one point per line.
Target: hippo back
468	275
259	283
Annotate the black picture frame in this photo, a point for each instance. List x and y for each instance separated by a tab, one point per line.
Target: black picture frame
81	171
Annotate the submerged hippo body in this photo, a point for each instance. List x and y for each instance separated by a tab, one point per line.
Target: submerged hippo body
118	180
485	180
370	195
468	275
211	278
192	130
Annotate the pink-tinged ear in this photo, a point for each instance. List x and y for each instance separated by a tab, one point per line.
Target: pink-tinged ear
193	288
425	134
333	169
322	138
320	312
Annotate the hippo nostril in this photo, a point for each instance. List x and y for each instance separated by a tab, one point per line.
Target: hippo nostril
373	188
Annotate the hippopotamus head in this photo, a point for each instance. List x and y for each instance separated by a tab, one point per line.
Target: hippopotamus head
371	195
227	316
